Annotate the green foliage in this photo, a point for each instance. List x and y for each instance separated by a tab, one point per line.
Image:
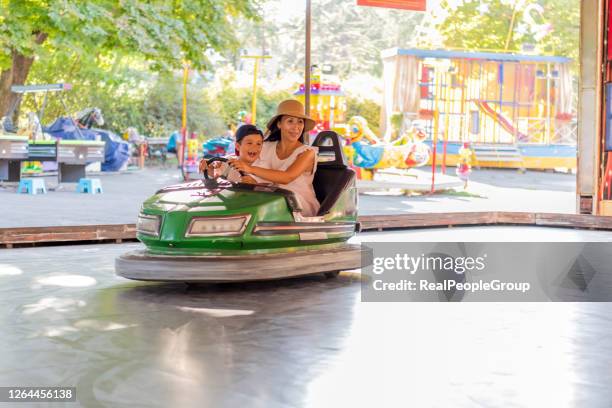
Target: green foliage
163	106
109	49
127	93
367	108
230	100
267	102
468	28
130	96
162	32
396	121
348	36
485	24
116	85
564	15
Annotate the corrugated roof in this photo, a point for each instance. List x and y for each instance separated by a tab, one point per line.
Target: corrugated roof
489	56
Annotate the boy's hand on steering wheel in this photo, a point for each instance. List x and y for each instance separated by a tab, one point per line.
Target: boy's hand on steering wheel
212	169
202	166
240	165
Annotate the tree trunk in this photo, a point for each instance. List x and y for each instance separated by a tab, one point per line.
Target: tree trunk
6	80
16	75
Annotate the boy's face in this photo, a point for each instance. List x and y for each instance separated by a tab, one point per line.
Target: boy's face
249	148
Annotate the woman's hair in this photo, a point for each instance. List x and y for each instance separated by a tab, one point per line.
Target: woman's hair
274	133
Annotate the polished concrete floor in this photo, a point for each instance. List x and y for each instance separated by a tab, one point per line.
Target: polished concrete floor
67	320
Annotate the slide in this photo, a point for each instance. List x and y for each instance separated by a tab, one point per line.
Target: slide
502	120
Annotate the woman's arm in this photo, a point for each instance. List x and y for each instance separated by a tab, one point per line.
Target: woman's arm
248	180
303	163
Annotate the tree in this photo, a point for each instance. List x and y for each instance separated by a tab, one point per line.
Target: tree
115	83
489	24
164	33
365	108
348	36
162	108
352	37
229	100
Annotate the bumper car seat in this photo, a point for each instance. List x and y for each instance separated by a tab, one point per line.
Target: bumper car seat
333	176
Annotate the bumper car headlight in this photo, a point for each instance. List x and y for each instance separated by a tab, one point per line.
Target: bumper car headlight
217	226
148	224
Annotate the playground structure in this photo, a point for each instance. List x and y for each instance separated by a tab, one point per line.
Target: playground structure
327	101
515	111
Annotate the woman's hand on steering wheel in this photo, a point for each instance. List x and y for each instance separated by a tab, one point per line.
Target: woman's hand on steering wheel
202	166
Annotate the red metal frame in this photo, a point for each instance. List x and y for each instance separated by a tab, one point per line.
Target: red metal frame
415	5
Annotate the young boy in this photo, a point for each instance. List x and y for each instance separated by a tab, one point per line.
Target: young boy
249	142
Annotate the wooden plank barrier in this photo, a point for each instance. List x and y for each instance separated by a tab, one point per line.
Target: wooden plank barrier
122	232
428	220
78	233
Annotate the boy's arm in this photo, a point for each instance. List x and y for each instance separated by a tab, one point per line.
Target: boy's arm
212	168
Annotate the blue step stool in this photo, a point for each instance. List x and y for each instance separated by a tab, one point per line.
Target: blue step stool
31	186
91	186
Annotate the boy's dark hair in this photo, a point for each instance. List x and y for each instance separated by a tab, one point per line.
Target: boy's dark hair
245	130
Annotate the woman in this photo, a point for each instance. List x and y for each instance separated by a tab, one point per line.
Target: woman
285	159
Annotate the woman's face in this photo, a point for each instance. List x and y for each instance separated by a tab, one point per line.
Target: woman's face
291	128
249	148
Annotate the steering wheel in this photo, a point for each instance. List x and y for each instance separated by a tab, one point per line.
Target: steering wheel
225	172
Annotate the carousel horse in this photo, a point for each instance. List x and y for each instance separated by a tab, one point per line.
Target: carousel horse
368	151
89	117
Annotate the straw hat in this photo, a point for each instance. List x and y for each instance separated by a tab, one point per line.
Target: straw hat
291	107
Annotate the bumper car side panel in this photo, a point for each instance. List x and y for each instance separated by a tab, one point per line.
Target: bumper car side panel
142	265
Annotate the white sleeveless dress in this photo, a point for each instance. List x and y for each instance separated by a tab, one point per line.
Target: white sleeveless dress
302	185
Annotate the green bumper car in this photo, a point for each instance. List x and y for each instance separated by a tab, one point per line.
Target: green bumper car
215	230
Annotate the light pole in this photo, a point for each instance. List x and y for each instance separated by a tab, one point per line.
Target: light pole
255	70
307	59
181	147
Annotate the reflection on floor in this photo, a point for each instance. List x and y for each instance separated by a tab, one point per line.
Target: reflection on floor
68	321
487	234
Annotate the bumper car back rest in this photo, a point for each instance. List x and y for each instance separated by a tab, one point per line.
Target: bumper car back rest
333	176
329	184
